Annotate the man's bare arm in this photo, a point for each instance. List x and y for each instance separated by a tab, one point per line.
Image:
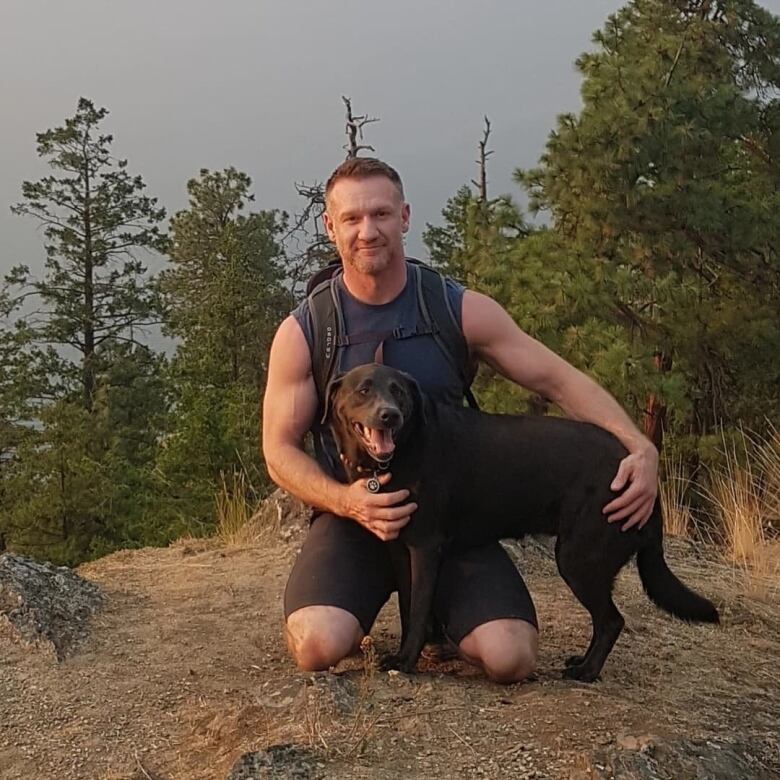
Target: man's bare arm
289	407
495	338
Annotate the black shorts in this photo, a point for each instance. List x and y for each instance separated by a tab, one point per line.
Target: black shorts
343	565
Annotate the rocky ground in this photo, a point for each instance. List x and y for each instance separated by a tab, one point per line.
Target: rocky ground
185	671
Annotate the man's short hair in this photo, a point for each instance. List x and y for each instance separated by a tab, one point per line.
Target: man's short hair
364	168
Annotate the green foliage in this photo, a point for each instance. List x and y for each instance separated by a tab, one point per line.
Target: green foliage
80	483
81	402
95	215
224	296
664	189
475	246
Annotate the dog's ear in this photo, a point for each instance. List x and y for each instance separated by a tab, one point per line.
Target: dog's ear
330	394
416	396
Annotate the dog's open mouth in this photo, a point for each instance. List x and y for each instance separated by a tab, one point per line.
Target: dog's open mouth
378	442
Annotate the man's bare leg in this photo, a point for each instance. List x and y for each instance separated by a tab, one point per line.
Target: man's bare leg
505	649
319	637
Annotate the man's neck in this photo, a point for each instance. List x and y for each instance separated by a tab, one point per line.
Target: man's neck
376	289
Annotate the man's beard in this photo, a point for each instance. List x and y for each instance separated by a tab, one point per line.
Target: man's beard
371	263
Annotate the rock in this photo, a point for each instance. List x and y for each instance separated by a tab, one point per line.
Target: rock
45	606
627	742
288	514
332	693
697	759
278	762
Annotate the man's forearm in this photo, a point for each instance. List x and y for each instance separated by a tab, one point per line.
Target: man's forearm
299	474
585	400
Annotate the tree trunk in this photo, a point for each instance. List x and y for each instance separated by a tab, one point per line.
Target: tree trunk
655	411
88	366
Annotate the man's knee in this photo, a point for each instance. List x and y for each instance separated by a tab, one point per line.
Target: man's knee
319	637
505	649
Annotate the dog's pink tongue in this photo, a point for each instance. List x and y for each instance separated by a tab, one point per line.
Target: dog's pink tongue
381	441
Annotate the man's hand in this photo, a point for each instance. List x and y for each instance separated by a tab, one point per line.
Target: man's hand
377	512
640	468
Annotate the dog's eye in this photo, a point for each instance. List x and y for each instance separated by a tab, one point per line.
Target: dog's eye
363	390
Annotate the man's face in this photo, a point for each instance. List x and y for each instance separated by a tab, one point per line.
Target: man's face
366	220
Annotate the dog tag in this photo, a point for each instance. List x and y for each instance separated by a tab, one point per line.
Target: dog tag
373	485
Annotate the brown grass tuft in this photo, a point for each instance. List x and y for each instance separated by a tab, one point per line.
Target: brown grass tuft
743	494
240	523
678	520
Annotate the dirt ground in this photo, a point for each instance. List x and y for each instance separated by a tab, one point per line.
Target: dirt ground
186	670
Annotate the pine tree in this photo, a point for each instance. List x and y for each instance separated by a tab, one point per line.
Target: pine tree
224	296
77	441
95	217
663	191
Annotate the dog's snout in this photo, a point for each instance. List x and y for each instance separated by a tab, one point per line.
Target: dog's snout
390	416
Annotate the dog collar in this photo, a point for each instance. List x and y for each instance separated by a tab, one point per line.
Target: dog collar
372	485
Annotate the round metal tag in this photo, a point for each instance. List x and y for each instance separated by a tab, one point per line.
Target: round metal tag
373	485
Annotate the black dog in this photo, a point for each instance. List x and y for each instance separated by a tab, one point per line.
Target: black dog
479	477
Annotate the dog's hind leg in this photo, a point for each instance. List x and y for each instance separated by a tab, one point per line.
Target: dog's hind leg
591	582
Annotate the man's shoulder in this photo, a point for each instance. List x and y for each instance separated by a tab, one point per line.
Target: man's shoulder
302	315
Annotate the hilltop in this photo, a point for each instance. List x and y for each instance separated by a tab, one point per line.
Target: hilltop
185	670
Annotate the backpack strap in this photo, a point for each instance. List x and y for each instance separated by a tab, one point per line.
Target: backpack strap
441	322
327	328
438	320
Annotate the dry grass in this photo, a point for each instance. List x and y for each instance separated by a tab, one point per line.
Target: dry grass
344	738
678	519
240	523
744	495
767	451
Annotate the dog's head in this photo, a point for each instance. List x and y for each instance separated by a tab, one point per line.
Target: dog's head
371	409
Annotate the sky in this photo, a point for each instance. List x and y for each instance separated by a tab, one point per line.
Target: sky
257	84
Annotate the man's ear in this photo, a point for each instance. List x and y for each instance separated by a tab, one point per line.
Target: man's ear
330	394
328	222
406	212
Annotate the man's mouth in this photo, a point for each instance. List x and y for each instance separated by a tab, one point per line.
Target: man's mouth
378	442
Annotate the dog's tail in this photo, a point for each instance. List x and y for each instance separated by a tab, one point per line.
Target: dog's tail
665	590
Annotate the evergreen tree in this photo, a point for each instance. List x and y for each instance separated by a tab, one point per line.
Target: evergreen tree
476	245
78	435
95	217
663	190
224	297
224	294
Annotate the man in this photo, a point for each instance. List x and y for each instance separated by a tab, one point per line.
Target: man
343	576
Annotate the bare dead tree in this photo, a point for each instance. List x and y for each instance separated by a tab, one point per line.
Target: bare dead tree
307	244
354	130
484	153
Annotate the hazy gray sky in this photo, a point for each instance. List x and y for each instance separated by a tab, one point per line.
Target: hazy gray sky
257	84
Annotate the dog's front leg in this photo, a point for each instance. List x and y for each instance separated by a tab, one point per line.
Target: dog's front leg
399	555
424	569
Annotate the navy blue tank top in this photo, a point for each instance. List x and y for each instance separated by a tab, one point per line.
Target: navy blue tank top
419	356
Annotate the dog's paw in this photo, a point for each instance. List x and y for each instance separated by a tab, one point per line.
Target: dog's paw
396	663
574	660
581	673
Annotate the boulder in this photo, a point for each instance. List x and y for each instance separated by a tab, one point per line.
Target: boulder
45	606
278	762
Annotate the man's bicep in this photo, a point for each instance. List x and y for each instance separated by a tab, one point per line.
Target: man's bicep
290	401
495	338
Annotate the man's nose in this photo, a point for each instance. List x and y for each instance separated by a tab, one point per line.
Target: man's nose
368	230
